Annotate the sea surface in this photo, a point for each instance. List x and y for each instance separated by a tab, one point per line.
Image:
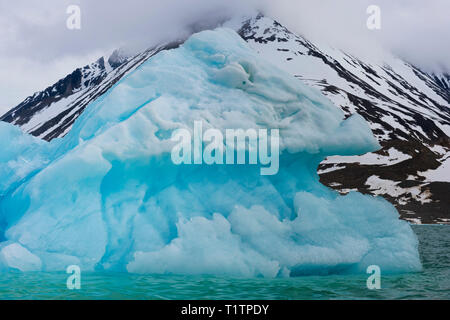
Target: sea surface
432	283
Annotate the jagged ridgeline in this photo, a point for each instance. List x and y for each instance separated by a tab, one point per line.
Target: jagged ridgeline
108	197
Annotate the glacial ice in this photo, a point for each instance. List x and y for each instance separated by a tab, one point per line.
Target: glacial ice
108	197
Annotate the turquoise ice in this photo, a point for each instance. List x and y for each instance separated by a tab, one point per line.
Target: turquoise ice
108	197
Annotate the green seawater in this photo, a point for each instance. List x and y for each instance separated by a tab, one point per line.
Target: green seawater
432	283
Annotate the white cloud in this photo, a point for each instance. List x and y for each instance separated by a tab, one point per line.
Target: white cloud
416	30
36	48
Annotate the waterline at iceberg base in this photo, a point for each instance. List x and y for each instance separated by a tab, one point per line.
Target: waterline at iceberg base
107	196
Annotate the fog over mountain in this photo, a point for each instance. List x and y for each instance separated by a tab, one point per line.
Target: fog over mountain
37	49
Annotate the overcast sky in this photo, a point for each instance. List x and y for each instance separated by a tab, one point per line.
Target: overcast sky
37	49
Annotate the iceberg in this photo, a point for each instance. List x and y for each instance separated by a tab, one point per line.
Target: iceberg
108	197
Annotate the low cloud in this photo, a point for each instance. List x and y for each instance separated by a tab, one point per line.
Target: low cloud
415	30
37	49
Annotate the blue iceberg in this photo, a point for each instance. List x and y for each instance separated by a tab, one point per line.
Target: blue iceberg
108	196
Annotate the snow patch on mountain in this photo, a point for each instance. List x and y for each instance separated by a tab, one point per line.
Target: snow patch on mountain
439	174
394	156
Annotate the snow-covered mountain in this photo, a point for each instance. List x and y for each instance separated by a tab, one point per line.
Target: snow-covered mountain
51	113
407	109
